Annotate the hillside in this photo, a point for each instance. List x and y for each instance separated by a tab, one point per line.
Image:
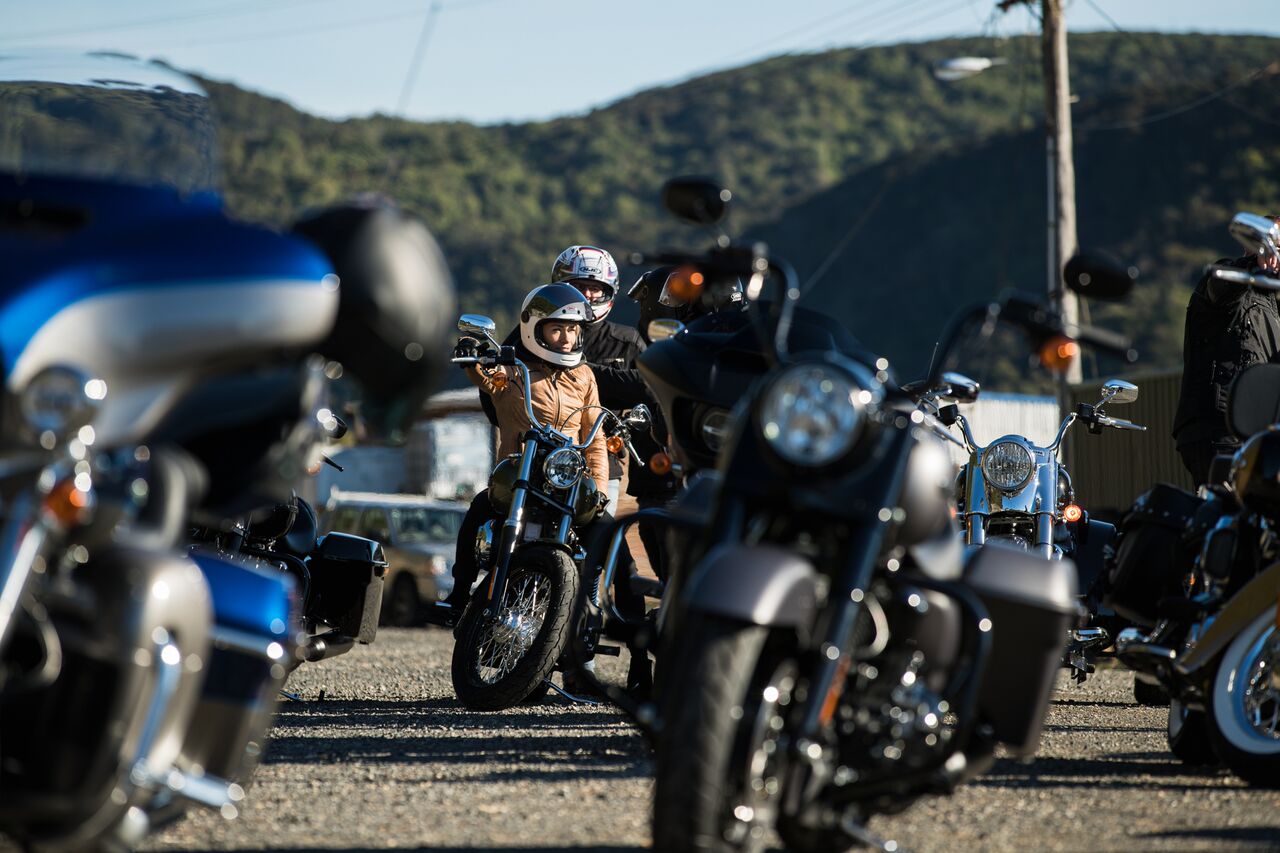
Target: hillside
808	143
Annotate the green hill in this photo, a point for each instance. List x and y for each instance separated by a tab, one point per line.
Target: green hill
949	177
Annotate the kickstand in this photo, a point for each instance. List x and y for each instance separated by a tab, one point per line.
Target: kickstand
293	697
863	837
582	700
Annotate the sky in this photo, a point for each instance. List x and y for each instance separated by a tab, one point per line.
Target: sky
490	61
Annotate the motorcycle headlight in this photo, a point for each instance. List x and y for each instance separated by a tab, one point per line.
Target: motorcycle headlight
1007	465
563	467
60	400
714	429
812	414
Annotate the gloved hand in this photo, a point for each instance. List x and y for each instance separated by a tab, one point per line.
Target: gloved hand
466	348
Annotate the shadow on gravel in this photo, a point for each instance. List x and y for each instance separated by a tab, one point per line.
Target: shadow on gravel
553	714
1123	770
587	849
1093	703
536	757
1268	836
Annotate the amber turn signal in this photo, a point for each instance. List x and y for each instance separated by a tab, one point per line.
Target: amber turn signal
614	443
67	503
499	380
685	283
660	464
1072	512
1058	352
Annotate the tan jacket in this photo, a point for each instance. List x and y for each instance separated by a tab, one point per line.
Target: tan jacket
567	399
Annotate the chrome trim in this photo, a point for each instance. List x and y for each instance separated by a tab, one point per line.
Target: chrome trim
20	543
168	676
236	640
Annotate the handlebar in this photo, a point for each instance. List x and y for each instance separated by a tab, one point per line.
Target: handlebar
1238	276
1103	339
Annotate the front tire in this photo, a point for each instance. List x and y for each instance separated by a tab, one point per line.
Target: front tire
1244	708
728	688
498	662
1188	736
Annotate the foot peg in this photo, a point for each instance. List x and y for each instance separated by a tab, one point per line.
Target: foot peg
1139	654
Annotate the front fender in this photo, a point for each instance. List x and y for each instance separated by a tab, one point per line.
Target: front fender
764	584
1252	599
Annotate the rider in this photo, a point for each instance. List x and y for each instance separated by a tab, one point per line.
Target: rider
1228	328
564	392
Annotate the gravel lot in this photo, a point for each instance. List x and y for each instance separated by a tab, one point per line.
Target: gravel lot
388	759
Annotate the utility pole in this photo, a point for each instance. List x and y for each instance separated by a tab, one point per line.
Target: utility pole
1061	170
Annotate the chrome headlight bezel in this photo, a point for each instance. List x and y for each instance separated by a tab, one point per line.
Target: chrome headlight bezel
1007	452
58	402
813	414
563	467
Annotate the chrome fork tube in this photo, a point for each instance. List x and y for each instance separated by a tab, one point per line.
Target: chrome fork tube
511	528
21	540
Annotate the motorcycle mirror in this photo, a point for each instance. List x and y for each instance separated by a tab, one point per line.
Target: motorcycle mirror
1118	391
334	426
963	389
660	330
639	417
1254	400
477	324
1258	234
1099	275
696	200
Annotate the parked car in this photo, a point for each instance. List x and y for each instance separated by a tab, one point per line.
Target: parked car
418	535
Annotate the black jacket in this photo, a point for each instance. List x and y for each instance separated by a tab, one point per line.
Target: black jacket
1228	328
611	349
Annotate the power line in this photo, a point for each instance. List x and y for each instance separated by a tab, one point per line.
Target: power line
1272	67
230	11
302	31
428	24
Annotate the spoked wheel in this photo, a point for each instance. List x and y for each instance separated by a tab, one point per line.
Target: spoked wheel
723	750
499	660
1244	708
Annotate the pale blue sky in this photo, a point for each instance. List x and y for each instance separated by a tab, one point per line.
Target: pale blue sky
512	60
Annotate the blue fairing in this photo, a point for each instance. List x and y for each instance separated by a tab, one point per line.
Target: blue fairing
248	598
66	240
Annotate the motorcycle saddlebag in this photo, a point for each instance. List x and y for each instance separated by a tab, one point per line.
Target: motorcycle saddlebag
1031	602
1153	552
346	584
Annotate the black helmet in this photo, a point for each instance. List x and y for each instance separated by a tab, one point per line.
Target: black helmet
553	302
397	300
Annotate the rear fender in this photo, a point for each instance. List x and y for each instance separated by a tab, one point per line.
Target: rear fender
763	584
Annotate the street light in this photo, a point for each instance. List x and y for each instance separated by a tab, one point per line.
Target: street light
961	67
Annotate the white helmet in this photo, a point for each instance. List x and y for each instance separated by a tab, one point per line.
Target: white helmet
580	265
553	302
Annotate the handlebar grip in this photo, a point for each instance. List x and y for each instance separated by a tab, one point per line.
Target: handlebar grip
1130	425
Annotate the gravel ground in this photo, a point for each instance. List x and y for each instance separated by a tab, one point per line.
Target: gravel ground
388	759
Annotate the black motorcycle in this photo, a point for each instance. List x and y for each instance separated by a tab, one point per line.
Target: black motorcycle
831	654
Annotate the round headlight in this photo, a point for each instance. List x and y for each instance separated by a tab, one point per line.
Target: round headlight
1007	465
714	429
563	467
812	414
59	400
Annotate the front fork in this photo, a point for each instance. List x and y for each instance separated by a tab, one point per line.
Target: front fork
976	532
510	530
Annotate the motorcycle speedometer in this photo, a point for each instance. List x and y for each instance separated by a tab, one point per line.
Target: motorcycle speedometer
1007	465
563	467
812	414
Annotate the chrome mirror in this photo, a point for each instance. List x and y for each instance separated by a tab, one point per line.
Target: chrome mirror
1119	391
1258	234
477	324
660	330
639	417
963	389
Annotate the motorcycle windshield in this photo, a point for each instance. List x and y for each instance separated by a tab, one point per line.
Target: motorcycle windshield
104	117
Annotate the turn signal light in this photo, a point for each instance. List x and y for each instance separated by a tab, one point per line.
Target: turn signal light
614	443
660	464
499	380
1058	353
1072	512
685	284
67	503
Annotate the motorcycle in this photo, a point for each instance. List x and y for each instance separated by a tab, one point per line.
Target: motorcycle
1215	647
134	678
515	629
1015	491
835	654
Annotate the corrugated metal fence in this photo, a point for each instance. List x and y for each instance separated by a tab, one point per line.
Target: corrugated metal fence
1109	470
